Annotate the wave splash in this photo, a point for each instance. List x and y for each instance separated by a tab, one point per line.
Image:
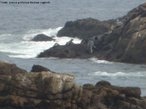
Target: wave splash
51	32
95	60
117	74
30	49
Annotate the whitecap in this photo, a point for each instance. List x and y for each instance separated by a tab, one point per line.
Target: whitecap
5	36
25	49
117	74
49	32
30	49
96	60
65	39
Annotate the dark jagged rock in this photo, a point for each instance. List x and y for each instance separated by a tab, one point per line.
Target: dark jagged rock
125	42
50	90
86	28
39	68
42	37
67	51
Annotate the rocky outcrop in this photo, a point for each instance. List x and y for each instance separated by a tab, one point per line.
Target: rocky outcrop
124	42
131	43
42	37
47	90
10	69
67	51
86	28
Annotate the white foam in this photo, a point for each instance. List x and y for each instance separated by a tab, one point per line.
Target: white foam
95	60
64	40
30	49
4	36
25	49
49	32
117	74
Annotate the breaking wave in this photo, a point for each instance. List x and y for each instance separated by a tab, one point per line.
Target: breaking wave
95	60
117	74
30	49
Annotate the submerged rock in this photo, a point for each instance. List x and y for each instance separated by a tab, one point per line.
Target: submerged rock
42	37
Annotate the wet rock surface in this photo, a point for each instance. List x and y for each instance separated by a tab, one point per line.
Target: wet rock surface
67	51
86	28
47	90
123	41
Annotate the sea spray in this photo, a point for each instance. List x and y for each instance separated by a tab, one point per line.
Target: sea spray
30	49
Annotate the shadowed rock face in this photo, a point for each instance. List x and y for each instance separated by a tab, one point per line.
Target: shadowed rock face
39	68
131	43
67	51
47	90
125	41
86	28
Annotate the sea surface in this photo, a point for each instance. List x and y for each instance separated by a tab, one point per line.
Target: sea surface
19	23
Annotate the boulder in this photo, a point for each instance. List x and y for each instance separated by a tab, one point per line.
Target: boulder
86	28
102	83
42	37
39	68
54	83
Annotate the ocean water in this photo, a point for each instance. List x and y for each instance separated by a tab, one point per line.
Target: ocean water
20	23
